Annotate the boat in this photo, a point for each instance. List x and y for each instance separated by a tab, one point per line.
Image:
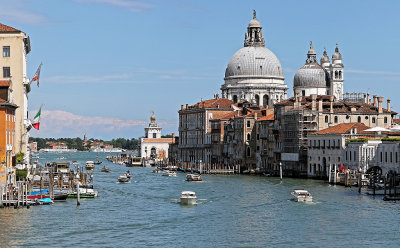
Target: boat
124	178
98	161
188	198
157	170
105	169
193	177
301	195
89	165
60	196
74	162
168	173
85	191
134	161
44	201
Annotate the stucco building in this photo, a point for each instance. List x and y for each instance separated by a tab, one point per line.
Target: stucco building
15	46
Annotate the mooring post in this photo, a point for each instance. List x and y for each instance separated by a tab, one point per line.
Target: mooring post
78	195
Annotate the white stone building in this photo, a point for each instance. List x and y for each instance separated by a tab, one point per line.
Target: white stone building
152	146
320	79
387	156
254	73
360	155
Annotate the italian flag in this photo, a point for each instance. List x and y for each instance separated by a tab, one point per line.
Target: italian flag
36	119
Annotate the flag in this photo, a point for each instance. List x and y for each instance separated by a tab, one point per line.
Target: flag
37	75
36	119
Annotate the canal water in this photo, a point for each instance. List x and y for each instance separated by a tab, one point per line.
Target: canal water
233	211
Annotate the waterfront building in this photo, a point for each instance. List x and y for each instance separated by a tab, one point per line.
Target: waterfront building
254	73
328	148
299	116
360	154
195	128
15	46
387	156
152	146
320	79
266	141
7	132
33	146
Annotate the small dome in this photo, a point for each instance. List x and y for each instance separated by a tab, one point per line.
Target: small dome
254	23
336	55
254	62
152	117
325	58
311	75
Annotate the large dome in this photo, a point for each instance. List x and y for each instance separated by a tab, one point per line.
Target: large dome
311	75
257	62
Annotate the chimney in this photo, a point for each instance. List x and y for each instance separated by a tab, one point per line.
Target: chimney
173	136
355	130
181	107
368	98
313	102
255	116
296	103
187	106
331	98
380	101
299	100
365	98
374	96
320	105
217	105
388	104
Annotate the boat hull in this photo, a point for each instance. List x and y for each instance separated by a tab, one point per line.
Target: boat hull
188	201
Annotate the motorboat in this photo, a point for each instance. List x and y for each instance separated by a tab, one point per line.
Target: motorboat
157	170
105	169
89	165
128	174
85	191
301	195
193	177
168	173
188	198
124	178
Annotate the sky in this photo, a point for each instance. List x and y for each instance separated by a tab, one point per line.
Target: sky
108	63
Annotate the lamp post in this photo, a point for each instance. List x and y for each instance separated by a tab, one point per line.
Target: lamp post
280	169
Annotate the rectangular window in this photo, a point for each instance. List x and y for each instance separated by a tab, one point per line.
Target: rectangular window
381	157
354	156
6	72
391	158
397	160
154	135
6	51
248	123
386	157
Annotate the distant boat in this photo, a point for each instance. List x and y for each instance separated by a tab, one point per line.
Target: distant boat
168	173
193	177
89	165
105	169
301	195
124	178
188	198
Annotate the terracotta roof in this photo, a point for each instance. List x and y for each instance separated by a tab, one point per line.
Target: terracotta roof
343	128
161	140
223	115
213	103
2	100
397	121
269	117
7	29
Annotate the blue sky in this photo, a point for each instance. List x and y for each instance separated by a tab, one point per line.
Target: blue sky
106	61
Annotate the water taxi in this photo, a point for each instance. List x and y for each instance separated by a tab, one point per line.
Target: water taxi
301	195
168	173
89	165
188	198
193	177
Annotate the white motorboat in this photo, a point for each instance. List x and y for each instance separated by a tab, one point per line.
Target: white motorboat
301	195
89	165
188	198
168	173
124	178
193	177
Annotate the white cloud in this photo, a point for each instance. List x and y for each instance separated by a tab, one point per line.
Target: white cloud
59	123
387	73
87	79
131	5
17	12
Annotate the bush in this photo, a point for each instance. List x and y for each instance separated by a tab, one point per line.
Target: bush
391	139
20	157
21	174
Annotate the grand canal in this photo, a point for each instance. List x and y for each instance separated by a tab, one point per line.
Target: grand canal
234	211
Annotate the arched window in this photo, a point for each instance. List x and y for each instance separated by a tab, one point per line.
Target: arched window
373	120
265	100
336	119
257	99
235	99
336	74
385	120
340	74
248	137
359	119
326	119
248	152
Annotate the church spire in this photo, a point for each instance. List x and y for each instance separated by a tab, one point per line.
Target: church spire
311	55
254	36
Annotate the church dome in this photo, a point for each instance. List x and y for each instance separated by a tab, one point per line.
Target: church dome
336	55
257	62
311	74
254	23
325	58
